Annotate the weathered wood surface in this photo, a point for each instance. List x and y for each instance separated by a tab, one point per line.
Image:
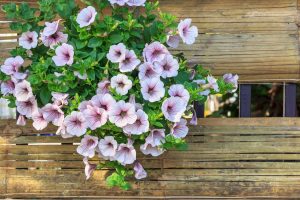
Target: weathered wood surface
257	39
233	158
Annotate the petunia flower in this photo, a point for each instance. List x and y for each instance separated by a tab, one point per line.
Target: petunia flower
12	65
53	113
187	33
63	132
116	53
108	146
21	121
139	171
178	90
86	16
155	52
141	125
39	122
180	129
95	117
103	87
126	154
51	28
173	41
233	79
23	91
20	75
27	107
89	168
75	124
87	146
173	108
168	66
80	76
122	114
54	39
153	89
194	120
64	55
59	99
104	101
83	105
7	87
121	84
119	2
148	71
212	83
156	137
130	62
136	2
148	149
28	40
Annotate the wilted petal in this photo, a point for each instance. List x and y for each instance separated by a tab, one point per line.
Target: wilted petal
89	168
140	172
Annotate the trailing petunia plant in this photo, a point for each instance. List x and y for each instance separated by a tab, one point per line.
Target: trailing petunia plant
105	72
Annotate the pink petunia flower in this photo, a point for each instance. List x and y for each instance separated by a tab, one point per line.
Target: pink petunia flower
12	65
95	117
53	113
75	124
156	137
59	99
51	28
148	149
83	105
194	120
233	79
125	154
180	129
153	89
121	84
168	66
212	83
63	132
139	171
141	125
103	87
122	114
54	39
148	71
117	53
119	2
108	146
130	62
7	87
23	91
28	40
173	41
187	33
64	55
89	168
39	122
21	121
20	75
178	90
155	52
104	101
173	108
136	2
27	107
86	16
87	146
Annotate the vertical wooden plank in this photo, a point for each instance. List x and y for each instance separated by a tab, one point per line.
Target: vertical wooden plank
290	107
199	109
245	100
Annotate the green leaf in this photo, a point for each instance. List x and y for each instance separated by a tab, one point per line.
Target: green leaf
182	77
45	95
115	38
95	42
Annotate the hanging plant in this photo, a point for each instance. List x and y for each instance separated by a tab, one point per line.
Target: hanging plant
106	74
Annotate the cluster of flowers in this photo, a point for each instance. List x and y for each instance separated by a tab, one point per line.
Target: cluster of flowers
155	64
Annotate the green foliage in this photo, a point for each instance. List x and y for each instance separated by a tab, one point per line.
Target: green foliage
174	143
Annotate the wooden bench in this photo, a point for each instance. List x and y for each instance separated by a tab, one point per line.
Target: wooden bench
227	158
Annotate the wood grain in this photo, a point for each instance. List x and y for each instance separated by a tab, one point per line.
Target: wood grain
259	40
232	158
